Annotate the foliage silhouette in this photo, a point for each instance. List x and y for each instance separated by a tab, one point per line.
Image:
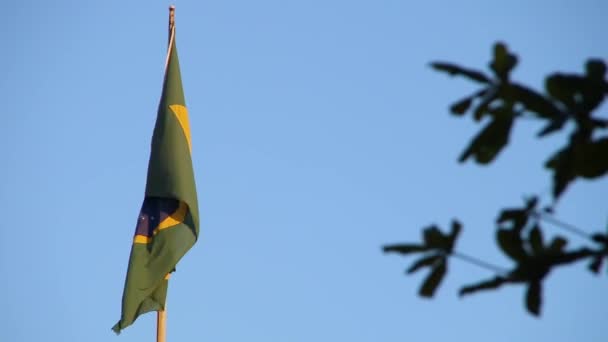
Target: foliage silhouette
570	100
437	247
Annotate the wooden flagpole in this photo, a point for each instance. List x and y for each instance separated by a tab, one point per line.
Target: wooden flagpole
161	325
161	315
171	19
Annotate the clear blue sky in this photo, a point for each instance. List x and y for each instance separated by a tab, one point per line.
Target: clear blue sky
319	134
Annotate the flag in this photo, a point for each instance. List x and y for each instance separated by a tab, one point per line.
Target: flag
168	223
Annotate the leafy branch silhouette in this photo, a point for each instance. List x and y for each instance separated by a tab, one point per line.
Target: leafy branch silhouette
569	101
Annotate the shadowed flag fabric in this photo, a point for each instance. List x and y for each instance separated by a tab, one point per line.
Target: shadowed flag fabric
168	223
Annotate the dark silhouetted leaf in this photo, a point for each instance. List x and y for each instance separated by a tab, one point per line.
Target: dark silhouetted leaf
455	70
511	215
456	228
595	69
562	164
536	240
511	244
532	101
433	280
489	142
564	88
533	298
434	238
483	285
596	264
594	86
600	238
557	245
579	94
578	159
531	203
460	107
561	180
405	248
517	217
503	61
553	126
591	159
426	261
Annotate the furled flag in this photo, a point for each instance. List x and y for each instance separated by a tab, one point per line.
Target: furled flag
168	224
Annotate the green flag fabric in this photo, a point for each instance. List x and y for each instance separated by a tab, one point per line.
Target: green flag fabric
168	223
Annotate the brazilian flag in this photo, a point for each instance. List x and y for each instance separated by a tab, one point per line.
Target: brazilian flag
168	223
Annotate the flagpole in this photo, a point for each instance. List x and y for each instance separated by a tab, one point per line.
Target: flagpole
161	315
161	325
171	19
